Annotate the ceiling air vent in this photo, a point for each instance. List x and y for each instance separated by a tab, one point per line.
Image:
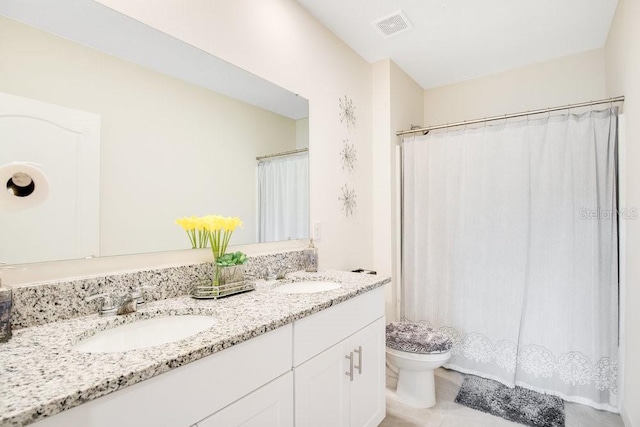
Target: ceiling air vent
393	24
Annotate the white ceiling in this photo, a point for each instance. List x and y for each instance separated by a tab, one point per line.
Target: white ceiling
457	40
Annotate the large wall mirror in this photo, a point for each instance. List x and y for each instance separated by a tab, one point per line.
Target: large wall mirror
132	129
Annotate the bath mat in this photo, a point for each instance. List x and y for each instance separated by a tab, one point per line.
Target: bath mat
517	404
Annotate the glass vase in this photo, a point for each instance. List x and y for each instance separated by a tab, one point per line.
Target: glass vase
226	280
228	274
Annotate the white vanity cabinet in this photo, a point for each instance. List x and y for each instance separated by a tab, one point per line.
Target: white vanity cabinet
299	374
189	394
328	390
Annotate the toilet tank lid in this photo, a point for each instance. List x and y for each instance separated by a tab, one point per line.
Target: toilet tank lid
417	338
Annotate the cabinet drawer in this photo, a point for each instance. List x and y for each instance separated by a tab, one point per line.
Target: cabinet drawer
316	333
191	392
269	406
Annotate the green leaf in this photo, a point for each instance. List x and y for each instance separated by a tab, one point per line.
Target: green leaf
236	258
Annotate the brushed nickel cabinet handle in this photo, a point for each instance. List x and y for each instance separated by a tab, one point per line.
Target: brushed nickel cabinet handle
350	373
359	365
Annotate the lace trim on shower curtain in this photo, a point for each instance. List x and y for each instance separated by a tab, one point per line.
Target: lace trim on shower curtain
572	368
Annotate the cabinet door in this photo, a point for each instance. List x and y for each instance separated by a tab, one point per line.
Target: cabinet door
322	390
269	406
368	386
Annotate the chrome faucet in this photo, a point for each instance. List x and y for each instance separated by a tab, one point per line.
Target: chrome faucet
126	305
115	306
138	293
268	274
282	273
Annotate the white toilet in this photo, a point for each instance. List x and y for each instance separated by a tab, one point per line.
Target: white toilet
416	350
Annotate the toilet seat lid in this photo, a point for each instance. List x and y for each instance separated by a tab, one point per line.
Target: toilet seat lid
416	338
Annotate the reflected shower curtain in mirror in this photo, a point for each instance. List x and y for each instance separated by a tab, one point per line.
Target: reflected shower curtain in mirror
283	198
510	247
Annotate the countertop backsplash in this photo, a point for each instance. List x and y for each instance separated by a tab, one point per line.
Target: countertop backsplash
47	302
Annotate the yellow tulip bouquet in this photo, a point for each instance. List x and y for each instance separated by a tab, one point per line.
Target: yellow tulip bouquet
214	229
194	226
228	269
220	230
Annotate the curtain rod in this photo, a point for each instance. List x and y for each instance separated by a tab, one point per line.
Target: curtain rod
509	116
284	153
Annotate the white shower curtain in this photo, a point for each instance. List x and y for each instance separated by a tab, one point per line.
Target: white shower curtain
283	198
510	247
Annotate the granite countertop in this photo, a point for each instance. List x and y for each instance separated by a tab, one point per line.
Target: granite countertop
41	375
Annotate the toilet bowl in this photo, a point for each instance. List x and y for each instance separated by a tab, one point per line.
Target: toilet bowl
416	350
416	381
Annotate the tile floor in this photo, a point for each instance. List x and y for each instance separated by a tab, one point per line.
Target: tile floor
447	413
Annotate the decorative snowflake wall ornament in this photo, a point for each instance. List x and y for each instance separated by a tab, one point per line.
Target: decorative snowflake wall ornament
347	112
348	156
348	200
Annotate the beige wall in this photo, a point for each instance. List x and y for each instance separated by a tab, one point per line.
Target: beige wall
623	78
302	133
381	182
159	137
567	80
397	104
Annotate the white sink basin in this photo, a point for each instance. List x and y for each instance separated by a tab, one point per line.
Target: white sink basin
308	287
145	333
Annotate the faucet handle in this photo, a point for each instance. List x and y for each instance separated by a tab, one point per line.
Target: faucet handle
108	307
96	296
137	293
269	274
282	273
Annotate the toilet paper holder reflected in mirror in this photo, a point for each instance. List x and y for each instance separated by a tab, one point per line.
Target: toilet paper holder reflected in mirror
21	185
25	184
